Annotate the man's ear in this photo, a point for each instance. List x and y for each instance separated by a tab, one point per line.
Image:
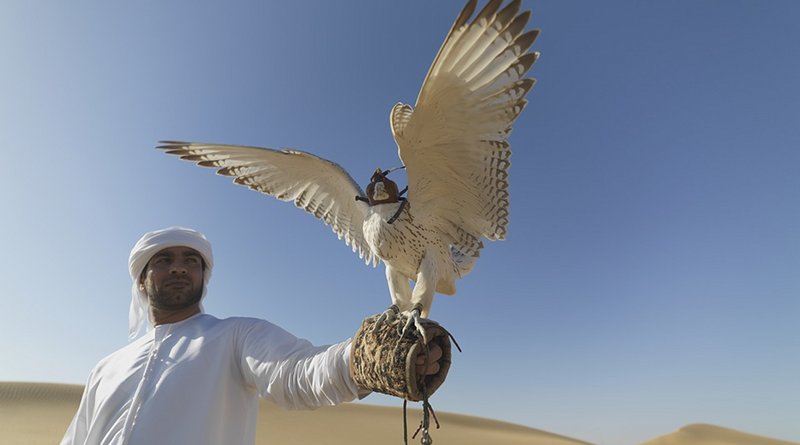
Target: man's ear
141	279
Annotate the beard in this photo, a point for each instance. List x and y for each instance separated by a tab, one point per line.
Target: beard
171	299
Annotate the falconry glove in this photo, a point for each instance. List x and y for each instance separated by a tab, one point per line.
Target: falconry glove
382	360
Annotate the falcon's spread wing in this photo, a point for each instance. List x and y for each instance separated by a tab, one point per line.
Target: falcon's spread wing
454	144
316	185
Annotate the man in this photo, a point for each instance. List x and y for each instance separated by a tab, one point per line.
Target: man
196	379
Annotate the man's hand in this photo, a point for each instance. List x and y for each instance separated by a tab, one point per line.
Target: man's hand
431	360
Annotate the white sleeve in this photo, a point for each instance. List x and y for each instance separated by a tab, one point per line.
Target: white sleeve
78	429
292	372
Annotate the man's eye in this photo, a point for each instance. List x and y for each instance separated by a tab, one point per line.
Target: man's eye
193	260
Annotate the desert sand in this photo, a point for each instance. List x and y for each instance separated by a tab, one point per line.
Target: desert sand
38	413
702	434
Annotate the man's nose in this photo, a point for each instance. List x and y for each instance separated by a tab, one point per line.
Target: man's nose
178	269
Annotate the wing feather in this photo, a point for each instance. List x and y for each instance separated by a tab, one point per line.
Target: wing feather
454	143
316	185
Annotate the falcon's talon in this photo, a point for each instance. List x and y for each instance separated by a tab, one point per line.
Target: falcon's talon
413	323
387	316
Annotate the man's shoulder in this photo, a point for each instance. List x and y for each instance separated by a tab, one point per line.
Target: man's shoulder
210	322
245	323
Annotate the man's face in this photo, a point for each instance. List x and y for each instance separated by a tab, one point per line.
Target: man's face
173	279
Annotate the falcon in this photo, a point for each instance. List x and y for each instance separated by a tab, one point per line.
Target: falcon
454	147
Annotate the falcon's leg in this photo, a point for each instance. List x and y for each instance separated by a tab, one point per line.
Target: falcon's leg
422	297
400	291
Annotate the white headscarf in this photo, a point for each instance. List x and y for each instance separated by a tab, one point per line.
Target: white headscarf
150	244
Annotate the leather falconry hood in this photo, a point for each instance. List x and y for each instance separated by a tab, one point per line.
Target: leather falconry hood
388	185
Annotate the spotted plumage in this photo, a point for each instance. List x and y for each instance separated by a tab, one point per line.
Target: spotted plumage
453	144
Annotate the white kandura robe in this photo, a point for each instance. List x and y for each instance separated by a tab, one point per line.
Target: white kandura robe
198	381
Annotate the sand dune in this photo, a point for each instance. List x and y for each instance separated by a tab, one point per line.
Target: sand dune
38	413
701	434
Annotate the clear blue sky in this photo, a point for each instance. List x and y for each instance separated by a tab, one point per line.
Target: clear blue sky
652	271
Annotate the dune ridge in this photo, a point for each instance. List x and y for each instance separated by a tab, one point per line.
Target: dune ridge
35	392
705	434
